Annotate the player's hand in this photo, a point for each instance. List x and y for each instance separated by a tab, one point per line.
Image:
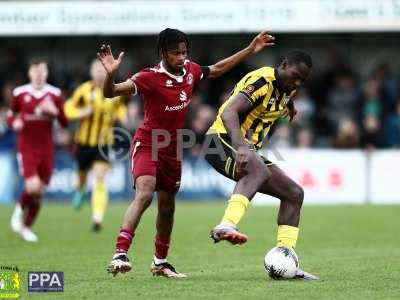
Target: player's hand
17	124
47	107
289	111
262	40
85	112
106	58
243	155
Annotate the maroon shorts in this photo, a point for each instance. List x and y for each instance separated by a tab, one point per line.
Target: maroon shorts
167	168
31	164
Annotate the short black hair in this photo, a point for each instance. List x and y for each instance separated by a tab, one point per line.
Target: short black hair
299	56
37	60
168	38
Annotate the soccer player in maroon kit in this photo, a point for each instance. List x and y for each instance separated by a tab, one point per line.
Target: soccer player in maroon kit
166	90
33	109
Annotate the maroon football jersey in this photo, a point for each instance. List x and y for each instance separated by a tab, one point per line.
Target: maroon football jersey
166	98
37	133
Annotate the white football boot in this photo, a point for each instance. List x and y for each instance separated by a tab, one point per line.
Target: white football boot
166	270
28	235
119	264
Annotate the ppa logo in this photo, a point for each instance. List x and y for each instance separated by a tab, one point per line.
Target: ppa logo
45	281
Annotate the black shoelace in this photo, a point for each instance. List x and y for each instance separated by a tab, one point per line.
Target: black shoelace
123	257
168	266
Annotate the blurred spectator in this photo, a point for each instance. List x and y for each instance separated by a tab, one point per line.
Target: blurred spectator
7	137
304	139
371	105
333	92
389	87
195	103
281	138
6	93
204	117
305	108
135	115
347	135
372	137
63	138
342	100
226	91
392	128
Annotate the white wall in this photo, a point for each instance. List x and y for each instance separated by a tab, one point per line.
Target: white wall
384	174
341	177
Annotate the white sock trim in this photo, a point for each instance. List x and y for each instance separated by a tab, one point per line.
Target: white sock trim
97	218
18	207
227	224
158	261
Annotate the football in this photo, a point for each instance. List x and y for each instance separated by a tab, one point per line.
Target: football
281	263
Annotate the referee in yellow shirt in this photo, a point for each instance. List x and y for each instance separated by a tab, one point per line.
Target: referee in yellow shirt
96	116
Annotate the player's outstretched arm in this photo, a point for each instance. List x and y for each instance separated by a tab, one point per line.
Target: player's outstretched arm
261	41
111	65
230	117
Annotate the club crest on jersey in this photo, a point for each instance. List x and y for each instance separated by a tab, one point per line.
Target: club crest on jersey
250	88
27	98
271	101
168	83
189	78
183	96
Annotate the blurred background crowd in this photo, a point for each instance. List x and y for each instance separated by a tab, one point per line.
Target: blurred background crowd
351	101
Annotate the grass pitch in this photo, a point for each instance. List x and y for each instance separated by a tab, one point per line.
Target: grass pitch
354	249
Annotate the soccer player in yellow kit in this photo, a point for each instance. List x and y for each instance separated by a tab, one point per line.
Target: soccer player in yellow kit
242	124
96	115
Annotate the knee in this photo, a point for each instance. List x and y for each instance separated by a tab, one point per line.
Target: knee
100	171
296	195
34	192
145	187
144	197
100	175
34	188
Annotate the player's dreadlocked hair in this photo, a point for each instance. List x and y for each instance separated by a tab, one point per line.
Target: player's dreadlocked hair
298	56
168	38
